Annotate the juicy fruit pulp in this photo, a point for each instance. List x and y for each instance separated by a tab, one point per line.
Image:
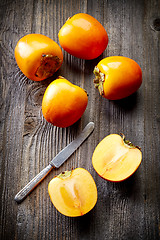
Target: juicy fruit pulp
83	36
73	193
117	77
116	159
63	103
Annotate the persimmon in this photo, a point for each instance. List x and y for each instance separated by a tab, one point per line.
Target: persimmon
73	193
116	158
117	77
63	103
38	56
83	36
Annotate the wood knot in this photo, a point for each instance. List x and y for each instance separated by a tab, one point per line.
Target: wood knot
30	125
155	24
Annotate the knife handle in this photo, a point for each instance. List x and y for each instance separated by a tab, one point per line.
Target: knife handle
22	194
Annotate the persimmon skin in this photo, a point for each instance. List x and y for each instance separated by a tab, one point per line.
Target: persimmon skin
83	36
38	56
73	193
122	77
63	103
114	160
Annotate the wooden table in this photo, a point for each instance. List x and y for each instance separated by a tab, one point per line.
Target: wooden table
125	210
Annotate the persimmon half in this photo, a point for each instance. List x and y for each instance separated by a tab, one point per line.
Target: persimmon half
63	103
83	36
117	77
38	56
73	193
116	158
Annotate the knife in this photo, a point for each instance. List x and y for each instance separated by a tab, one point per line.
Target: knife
56	162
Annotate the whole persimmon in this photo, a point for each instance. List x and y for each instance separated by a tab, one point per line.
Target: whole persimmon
38	56
73	193
63	103
116	158
117	77
83	36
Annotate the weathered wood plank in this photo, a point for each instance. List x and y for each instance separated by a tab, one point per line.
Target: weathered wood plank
126	210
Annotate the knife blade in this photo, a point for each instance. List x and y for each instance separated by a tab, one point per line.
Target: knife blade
56	162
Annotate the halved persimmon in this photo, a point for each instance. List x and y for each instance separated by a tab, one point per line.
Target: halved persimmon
116	158
73	193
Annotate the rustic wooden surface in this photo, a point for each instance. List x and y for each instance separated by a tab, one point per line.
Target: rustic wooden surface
124	211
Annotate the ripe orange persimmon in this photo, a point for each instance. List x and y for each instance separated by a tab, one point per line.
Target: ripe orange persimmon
116	158
38	56
63	103
83	36
73	193
117	77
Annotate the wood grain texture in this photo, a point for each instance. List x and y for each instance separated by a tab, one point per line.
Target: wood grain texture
124	211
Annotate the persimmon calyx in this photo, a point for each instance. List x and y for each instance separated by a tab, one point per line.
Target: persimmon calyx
99	80
128	143
65	174
48	66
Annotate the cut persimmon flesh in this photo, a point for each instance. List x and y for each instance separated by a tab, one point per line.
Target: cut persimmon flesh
115	158
73	193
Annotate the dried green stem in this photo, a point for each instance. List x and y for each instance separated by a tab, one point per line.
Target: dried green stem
128	143
65	174
99	80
